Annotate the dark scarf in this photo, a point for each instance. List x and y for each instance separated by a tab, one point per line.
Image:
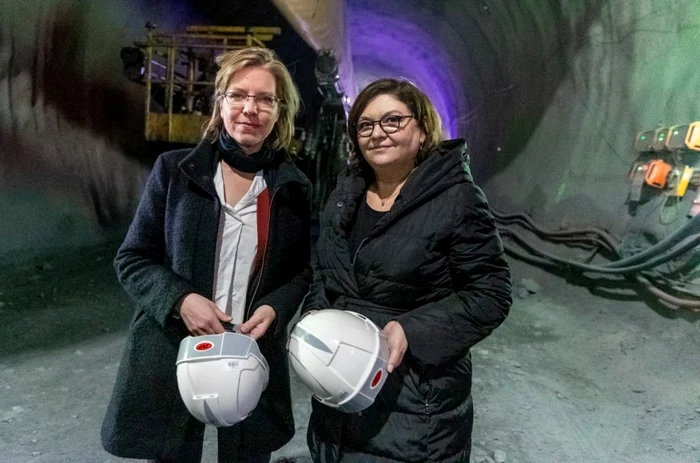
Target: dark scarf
234	156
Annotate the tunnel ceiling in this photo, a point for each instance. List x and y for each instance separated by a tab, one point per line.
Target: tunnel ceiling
548	94
385	43
475	59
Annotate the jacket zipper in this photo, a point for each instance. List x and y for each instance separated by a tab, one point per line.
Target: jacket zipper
262	265
354	258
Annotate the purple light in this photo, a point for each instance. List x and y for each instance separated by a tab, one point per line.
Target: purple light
384	46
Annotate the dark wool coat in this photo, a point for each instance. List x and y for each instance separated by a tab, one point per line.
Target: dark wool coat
434	263
170	251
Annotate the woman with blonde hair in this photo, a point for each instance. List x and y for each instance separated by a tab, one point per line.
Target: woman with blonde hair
407	240
221	235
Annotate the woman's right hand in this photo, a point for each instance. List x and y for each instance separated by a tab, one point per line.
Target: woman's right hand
398	344
202	316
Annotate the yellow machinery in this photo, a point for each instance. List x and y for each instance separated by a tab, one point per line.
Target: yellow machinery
178	71
692	139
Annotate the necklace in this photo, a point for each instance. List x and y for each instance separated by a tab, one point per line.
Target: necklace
398	190
383	201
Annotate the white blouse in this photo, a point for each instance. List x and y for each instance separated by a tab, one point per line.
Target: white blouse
236	246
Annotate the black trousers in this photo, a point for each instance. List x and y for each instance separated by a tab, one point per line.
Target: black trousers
229	449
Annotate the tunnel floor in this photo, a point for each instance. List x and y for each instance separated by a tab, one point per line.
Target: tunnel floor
569	377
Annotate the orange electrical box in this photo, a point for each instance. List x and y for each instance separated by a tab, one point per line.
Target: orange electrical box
657	173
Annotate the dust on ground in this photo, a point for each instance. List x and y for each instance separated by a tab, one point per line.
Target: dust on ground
569	377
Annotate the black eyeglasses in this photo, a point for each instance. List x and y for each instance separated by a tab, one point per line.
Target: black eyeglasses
238	99
389	124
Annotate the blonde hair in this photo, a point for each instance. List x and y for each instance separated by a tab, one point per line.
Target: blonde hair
230	63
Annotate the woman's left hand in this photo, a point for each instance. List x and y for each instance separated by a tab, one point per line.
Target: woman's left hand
398	344
258	323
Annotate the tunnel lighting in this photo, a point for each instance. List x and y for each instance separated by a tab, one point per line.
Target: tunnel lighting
326	68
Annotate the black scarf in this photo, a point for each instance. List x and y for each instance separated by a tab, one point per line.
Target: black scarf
234	156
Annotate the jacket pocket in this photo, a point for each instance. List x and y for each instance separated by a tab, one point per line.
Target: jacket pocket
425	389
418	384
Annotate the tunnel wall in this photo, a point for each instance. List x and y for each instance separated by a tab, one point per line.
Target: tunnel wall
67	121
628	66
73	159
549	95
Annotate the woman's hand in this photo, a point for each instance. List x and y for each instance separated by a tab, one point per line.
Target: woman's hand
202	316
259	322
398	344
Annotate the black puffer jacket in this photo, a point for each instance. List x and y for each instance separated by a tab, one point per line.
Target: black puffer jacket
435	263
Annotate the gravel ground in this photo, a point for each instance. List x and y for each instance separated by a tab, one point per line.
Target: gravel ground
569	377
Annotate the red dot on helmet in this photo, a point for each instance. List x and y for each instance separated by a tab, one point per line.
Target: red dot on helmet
376	379
204	345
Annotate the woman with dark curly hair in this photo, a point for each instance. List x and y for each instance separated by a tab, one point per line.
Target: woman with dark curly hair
407	240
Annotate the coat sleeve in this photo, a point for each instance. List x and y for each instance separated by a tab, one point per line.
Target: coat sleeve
444	330
287	297
316	299
140	261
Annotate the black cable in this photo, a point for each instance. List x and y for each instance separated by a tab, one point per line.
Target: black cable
576	237
659	293
648	278
529	257
667	297
690	228
606	236
688	244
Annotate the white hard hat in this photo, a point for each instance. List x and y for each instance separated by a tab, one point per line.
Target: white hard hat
341	356
221	377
